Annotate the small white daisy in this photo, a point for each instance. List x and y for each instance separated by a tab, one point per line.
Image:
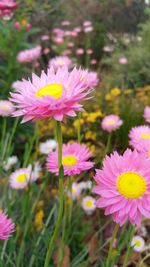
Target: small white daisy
88	204
10	162
75	191
138	243
47	146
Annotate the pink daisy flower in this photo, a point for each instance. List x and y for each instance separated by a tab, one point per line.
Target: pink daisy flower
140	137
8	4
6	108
123	185
29	55
59	62
7	227
111	123
80	51
89	79
74	159
54	94
147	114
123	60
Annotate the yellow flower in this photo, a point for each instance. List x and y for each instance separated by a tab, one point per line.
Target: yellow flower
90	135
93	116
38	220
78	122
115	91
108	97
24	22
128	91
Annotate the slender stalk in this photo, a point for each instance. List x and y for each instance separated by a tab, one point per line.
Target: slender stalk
111	245
108	144
79	127
71	202
61	198
128	248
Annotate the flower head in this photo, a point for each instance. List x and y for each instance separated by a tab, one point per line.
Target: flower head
138	243
111	123
59	62
6	108
123	60
74	159
140	138
123	185
88	204
54	94
22	177
75	191
47	146
7	227
147	114
29	55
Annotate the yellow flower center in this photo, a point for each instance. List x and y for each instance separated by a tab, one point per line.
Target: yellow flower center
22	178
137	243
145	136
4	107
61	62
148	153
69	161
110	122
54	90
89	204
131	185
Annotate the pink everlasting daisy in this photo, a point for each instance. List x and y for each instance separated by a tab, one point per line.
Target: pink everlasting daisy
123	60
54	94
74	159
88	204
111	123
140	137
6	108
60	61
123	185
7	227
147	114
29	55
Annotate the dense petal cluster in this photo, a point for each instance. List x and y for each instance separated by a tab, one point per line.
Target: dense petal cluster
147	114
29	55
74	159
111	123
7	227
54	94
123	185
140	138
60	61
22	177
6	108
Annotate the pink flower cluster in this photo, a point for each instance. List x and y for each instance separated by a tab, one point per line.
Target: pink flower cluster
7	227
6	8
29	55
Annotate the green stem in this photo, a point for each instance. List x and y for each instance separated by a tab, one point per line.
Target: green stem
111	245
128	248
79	127
71	202
61	198
108	144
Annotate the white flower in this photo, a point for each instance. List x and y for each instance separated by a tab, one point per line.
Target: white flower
10	162
138	243
85	185
22	177
75	191
47	146
88	204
